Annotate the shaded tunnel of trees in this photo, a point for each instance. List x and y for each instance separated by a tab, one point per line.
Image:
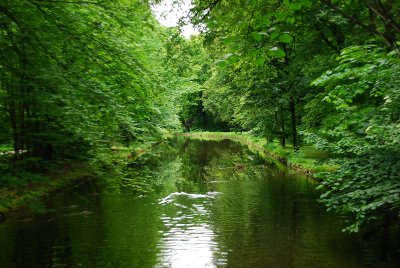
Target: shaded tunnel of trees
78	77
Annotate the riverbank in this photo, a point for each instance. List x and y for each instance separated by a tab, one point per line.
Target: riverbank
63	176
29	194
306	160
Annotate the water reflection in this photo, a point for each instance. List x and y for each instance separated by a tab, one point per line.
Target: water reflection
187	204
188	239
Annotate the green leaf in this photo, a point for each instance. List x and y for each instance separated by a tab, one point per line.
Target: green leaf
266	20
222	63
280	15
295	6
256	36
277	52
285	38
212	24
259	61
274	35
290	19
228	40
306	3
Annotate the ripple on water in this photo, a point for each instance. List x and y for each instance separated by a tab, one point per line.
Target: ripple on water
171	197
188	239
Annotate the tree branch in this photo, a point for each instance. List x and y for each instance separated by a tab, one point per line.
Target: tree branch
208	9
349	17
357	21
11	16
382	12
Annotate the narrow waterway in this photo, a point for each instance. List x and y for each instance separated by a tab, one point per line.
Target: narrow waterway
186	204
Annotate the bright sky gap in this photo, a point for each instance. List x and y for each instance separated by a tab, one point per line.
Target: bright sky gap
169	14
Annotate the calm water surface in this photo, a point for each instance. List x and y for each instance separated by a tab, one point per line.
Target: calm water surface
187	204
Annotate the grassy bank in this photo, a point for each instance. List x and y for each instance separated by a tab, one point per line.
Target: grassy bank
29	194
135	150
63	175
5	149
306	160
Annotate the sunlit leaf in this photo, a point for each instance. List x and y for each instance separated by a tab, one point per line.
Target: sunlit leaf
277	52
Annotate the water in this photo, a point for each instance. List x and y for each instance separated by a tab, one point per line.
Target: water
187	204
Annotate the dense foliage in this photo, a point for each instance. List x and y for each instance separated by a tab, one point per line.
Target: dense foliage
81	77
363	129
324	69
78	77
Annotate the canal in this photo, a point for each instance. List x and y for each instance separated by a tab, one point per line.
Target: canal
187	203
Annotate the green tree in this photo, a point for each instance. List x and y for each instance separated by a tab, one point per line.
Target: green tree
266	55
361	126
78	76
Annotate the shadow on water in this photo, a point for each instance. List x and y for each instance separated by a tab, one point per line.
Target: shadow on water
189	203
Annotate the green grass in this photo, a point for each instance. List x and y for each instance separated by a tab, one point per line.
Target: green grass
306	160
12	198
39	186
134	150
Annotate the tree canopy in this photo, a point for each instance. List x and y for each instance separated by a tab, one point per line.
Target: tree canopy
317	73
79	77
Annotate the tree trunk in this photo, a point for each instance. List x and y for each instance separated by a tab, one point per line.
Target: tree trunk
294	127
186	125
15	122
282	136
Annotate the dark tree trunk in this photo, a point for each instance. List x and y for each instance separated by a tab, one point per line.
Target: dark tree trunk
14	112
186	126
282	138
294	127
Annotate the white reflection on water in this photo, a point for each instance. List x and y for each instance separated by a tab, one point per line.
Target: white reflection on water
189	240
171	197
